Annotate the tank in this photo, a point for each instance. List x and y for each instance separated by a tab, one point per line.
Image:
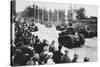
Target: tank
60	28
71	40
88	34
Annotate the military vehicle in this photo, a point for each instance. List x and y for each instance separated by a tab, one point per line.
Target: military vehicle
60	28
88	33
71	39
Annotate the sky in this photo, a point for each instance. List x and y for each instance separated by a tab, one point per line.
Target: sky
90	10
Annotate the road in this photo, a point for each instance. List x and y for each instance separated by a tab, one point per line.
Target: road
88	50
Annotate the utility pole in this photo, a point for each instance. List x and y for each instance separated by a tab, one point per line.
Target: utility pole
34	12
58	16
48	15
42	15
38	14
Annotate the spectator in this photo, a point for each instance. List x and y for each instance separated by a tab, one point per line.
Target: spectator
43	43
21	59
44	57
30	62
52	47
65	58
37	46
57	55
86	59
46	47
75	58
27	50
50	55
19	45
50	61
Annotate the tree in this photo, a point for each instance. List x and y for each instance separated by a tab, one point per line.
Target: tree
80	13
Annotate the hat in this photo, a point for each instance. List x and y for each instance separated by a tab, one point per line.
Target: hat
50	61
50	54
46	52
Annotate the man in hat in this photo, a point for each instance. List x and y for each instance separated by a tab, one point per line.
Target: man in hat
65	58
75	58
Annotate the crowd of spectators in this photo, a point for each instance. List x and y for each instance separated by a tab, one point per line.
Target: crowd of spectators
28	49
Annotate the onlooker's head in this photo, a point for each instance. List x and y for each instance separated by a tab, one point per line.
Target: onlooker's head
18	51
76	56
33	36
86	59
44	40
50	61
50	55
36	37
38	41
47	43
19	44
53	42
36	57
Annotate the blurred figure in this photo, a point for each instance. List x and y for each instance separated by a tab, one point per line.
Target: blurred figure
57	55
52	47
13	49
36	57
21	59
37	46
86	59
46	47
49	58
26	49
36	39
75	58
32	42
43	44
34	60
50	61
19	45
17	56
44	57
50	55
65	58
30	62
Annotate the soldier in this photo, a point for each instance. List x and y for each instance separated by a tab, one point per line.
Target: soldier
75	58
65	58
